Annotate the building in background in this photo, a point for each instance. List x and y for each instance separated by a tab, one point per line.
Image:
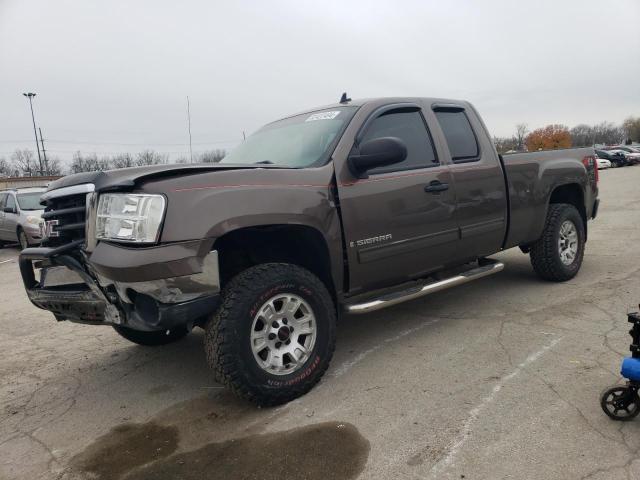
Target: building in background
23	182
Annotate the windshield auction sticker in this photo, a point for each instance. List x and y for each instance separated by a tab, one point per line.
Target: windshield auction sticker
323	116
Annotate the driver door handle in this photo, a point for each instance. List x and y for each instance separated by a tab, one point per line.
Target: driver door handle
436	186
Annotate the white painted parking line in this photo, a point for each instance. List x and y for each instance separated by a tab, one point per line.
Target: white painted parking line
6	261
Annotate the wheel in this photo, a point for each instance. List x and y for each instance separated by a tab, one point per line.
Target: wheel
273	337
151	339
22	239
557	255
620	402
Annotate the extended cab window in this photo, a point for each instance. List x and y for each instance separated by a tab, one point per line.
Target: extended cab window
459	134
408	126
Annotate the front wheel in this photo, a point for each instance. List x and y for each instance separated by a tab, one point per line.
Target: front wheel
22	239
620	402
151	339
557	255
273	337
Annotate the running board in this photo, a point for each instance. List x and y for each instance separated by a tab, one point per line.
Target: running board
489	267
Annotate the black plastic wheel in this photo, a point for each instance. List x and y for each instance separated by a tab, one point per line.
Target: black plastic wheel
557	255
620	402
151	339
274	335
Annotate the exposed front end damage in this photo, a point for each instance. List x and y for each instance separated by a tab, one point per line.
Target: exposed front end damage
72	290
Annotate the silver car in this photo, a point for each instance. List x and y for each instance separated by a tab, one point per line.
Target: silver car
21	216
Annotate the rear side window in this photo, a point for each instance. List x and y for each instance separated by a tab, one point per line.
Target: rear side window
459	134
11	202
408	126
2	197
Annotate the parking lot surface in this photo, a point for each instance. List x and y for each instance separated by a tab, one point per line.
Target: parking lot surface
499	378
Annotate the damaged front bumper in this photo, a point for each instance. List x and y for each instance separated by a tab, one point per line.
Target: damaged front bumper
159	288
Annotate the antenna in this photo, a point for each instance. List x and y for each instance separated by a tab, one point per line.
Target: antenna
189	123
344	98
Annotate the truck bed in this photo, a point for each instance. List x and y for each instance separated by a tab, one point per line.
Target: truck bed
532	176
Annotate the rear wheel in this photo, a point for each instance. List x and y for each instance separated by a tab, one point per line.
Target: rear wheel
151	339
273	337
557	255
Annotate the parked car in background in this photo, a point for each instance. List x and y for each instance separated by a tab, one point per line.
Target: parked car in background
603	163
617	159
628	149
20	216
632	158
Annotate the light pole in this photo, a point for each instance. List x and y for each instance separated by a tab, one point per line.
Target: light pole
30	96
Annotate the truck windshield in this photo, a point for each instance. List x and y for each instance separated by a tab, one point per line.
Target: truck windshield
300	141
30	201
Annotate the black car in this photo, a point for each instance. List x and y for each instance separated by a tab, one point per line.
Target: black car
617	159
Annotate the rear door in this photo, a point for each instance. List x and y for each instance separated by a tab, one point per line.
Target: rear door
479	180
397	226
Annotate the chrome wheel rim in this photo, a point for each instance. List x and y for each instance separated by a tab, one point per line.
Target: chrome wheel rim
568	242
283	334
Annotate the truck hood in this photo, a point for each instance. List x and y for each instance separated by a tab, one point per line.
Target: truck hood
127	178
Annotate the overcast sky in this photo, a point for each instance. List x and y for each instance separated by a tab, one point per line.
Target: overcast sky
113	76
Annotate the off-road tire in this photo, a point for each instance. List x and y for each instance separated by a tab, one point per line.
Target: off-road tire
151	339
545	255
227	334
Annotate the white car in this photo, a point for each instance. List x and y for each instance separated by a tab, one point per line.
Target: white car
603	163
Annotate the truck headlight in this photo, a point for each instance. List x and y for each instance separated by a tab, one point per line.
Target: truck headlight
129	217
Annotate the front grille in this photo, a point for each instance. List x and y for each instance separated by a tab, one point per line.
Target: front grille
65	219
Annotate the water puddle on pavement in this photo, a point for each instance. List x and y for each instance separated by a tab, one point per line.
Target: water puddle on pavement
145	451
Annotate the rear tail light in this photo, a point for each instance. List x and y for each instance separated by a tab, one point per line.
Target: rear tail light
591	164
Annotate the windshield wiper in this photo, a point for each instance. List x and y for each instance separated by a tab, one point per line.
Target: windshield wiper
264	162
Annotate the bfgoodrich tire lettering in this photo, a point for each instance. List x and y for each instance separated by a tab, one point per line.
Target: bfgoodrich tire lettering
227	339
546	256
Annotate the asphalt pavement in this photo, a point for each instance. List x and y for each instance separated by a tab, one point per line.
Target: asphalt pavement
499	378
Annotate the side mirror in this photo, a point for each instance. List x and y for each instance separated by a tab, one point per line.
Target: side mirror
9	210
375	153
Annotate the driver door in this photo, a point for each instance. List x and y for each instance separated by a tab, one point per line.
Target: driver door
399	223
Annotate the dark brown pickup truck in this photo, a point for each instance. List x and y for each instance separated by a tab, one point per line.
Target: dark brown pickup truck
347	208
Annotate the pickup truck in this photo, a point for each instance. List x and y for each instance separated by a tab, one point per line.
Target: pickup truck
348	208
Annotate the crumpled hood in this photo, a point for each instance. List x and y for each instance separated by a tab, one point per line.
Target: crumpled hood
127	178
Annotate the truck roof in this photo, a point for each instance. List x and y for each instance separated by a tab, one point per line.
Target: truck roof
359	102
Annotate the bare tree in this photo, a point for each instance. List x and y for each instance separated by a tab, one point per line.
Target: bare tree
24	162
583	136
89	163
211	156
521	133
149	157
631	127
608	133
6	170
55	166
505	144
122	160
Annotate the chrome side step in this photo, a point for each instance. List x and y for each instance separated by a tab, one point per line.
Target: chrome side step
489	267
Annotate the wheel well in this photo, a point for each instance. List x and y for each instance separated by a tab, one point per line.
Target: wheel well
573	195
296	244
